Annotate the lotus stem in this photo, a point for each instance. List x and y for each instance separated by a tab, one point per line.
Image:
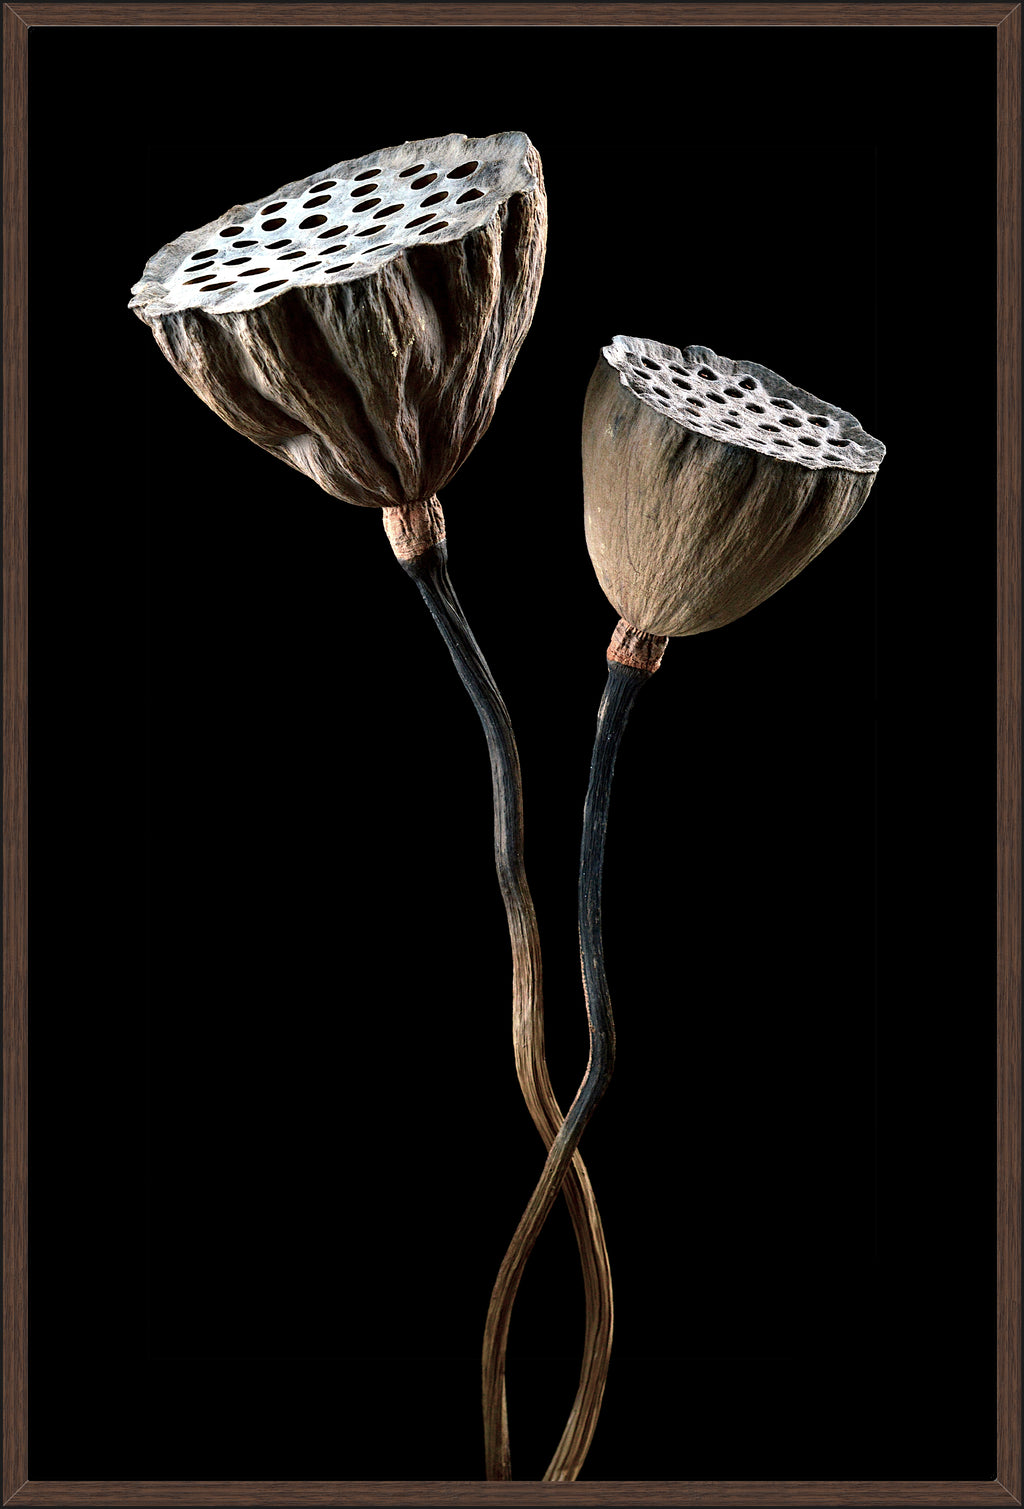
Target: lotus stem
428	568
624	682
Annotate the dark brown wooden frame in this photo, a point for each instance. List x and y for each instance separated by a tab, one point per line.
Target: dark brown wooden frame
1006	19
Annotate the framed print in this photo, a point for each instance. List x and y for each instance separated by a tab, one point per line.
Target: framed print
265	1144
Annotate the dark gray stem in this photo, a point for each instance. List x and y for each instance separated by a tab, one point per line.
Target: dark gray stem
622	686
429	570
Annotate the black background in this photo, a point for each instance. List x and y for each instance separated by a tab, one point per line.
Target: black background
278	1149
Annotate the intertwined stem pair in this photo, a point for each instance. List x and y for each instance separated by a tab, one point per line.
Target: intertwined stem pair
564	1169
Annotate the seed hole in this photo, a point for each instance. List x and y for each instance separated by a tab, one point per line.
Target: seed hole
787	443
270	208
202	279
289	256
754	408
654	366
439	225
211	286
241	261
839	442
463	170
273	225
420	220
253	271
660	391
781	403
389	209
642	376
773	427
304	266
232	230
246	243
816	419
197	265
340	266
747	382
311	204
794	424
716	398
311	220
367	188
733	425
681	382
212	252
276	245
434	199
331	183
696	403
408	172
262	287
369	173
708	376
470	194
673	368
335	230
734	392
372	230
360	209
421	183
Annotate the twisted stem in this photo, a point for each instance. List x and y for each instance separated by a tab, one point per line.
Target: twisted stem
620	692
429	570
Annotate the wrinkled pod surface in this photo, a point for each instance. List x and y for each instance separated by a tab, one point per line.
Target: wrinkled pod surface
709	483
360	323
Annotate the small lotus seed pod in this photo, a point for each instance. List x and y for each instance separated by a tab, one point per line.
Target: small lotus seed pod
708	485
360	323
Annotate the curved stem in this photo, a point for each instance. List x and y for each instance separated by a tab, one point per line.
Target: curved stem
620	692
429	571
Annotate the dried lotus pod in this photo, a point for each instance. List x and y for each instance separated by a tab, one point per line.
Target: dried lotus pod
360	323
708	485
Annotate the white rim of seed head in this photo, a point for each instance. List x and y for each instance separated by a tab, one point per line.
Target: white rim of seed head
743	404
337	226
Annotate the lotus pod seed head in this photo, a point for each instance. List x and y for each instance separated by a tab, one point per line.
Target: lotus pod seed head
710	483
360	323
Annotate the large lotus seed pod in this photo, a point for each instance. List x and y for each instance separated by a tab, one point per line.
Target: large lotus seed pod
361	323
709	484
